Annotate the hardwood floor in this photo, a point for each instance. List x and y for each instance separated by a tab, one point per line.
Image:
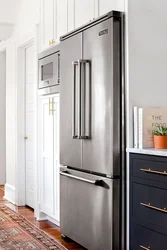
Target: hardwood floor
46	226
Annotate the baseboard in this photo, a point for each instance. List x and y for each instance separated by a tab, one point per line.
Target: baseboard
57	223
9	193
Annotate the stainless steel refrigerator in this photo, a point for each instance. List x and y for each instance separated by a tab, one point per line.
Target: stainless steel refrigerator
92	134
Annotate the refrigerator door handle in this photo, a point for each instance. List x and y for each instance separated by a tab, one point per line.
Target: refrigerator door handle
85	99
79	97
96	182
74	63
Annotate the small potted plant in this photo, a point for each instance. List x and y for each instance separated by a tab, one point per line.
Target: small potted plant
160	137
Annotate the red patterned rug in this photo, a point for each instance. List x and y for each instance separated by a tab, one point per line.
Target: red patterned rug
16	232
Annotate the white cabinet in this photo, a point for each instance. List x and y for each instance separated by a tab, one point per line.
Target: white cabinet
108	5
61	18
46	23
84	12
49	155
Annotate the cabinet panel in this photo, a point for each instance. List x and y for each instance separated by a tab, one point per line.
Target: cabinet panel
149	167
46	156
47	22
71	19
149	205
108	5
56	160
142	238
60	18
84	12
49	155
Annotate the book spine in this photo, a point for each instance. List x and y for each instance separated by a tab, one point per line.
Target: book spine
135	127
140	113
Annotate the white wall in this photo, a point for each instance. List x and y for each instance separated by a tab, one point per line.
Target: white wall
27	18
8	10
3	117
10	120
147	55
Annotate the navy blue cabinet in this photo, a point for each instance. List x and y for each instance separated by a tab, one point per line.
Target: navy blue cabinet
148	202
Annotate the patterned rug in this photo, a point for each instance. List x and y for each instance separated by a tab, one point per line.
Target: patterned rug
16	232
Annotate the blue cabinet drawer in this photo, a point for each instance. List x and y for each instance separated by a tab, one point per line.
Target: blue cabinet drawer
149	205
143	238
148	167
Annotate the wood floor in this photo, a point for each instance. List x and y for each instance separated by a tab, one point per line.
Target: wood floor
46	226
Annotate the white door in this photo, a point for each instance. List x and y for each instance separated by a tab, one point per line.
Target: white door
30	123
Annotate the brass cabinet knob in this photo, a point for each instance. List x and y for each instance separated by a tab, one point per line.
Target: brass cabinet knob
50	42
25	137
53	41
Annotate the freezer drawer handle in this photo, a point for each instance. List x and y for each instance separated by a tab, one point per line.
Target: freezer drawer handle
96	182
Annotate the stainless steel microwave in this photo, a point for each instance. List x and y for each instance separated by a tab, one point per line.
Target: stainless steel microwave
49	67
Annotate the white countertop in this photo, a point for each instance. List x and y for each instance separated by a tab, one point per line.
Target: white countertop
148	151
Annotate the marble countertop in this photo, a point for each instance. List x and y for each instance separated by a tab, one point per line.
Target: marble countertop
148	151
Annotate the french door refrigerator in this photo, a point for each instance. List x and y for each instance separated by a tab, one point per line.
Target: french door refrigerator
92	134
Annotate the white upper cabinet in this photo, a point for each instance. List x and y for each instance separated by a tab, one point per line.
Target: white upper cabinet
61	16
61	22
84	12
47	22
108	5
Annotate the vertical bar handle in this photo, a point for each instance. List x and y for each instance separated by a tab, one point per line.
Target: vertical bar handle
85	83
58	77
79	98
74	63
88	104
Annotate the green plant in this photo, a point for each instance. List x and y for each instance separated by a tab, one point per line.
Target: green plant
160	130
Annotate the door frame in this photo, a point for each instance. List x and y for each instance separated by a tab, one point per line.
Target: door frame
28	40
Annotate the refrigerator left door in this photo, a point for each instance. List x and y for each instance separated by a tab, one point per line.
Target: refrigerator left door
70	145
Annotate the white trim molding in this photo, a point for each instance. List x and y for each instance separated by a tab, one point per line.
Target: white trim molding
9	193
29	39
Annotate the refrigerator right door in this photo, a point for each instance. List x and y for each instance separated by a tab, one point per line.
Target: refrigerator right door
102	98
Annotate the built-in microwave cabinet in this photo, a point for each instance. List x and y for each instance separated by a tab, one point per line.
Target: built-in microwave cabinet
49	70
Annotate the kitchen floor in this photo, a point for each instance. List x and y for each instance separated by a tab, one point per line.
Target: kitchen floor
46	226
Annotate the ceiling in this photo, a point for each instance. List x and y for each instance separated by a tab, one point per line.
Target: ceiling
8	15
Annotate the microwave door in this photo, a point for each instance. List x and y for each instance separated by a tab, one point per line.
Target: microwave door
48	71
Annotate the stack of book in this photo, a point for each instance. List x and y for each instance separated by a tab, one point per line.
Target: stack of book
145	121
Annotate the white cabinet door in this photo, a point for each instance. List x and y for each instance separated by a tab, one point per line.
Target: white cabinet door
47	22
60	18
56	121
46	166
70	15
49	155
108	5
84	12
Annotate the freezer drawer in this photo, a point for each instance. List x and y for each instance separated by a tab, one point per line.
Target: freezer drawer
89	210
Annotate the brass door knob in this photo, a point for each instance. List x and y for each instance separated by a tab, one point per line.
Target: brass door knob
50	42
25	137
